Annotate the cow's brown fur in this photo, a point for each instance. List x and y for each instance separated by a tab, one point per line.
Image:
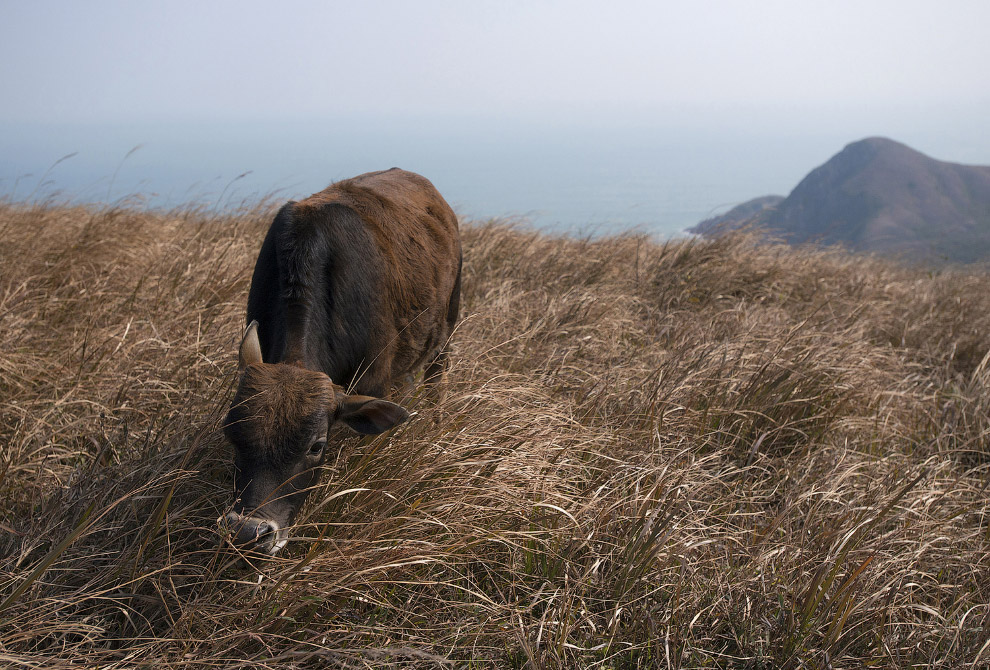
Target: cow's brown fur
275	405
416	232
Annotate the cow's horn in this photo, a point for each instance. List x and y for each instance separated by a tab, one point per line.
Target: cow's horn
250	352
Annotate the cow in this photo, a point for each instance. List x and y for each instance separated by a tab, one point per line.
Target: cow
356	288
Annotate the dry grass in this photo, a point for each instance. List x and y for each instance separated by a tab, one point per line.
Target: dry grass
697	454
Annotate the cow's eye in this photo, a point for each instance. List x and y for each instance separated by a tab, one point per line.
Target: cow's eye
316	449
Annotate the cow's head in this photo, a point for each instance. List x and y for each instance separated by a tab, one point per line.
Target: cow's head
278	424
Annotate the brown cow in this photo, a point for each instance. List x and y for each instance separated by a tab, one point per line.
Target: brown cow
355	288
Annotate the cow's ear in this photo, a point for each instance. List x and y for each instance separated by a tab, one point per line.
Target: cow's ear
250	352
370	416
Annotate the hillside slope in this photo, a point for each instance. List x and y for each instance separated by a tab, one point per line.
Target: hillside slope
737	217
877	195
695	454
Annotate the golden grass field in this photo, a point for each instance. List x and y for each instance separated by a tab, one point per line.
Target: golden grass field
692	454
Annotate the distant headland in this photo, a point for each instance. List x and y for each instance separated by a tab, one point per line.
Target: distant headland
878	196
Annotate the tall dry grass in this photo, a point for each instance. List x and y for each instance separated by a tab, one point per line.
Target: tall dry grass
692	454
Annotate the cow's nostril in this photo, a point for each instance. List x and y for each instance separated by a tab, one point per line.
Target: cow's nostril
251	532
244	528
264	530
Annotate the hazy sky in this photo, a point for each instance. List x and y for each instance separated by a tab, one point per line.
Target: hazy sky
249	60
655	113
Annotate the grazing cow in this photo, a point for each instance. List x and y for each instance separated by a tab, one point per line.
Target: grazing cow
355	288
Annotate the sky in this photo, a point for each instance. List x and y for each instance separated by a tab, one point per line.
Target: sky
99	60
808	74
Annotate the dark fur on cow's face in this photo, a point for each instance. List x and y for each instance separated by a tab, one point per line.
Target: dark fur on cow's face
278	425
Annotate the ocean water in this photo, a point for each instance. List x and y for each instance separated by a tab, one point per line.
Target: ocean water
592	179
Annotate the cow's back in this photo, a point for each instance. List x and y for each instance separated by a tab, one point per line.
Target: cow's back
360	280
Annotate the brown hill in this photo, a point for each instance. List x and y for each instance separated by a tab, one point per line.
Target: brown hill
738	216
877	195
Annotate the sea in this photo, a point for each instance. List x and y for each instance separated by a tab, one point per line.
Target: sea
583	179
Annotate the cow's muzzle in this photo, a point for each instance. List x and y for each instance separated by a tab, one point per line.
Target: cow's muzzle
251	533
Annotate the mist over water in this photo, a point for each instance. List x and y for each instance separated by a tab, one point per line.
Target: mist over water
594	178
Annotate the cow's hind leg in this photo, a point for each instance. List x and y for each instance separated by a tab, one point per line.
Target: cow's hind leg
432	389
434	371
